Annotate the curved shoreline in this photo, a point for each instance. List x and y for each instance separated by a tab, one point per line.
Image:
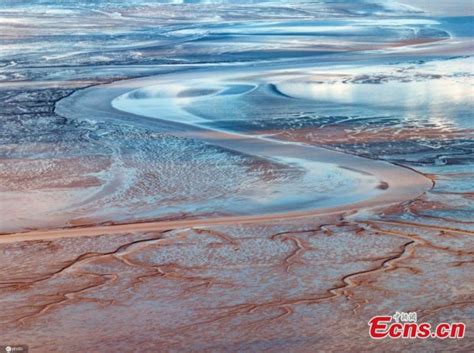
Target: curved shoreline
403	183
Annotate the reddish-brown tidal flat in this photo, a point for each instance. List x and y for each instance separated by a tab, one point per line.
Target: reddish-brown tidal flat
220	176
300	285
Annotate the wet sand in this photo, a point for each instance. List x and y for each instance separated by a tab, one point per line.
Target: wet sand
122	232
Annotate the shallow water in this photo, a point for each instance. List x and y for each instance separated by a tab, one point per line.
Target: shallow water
139	138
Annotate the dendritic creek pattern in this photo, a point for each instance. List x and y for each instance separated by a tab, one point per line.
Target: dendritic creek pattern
234	176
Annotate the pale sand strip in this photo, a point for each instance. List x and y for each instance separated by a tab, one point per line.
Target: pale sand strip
404	184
